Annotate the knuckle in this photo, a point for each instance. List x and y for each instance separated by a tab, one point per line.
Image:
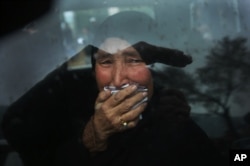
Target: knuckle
104	107
98	106
100	96
117	96
112	123
127	105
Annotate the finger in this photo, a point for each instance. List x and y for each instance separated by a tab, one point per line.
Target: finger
124	125
129	125
133	123
103	95
132	102
120	96
133	114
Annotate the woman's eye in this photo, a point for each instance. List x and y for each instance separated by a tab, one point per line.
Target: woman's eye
135	60
106	62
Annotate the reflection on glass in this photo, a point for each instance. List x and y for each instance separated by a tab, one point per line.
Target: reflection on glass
78	28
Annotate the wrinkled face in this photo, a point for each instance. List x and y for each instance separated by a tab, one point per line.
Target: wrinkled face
117	63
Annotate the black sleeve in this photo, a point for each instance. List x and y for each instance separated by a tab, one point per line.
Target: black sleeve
186	143
47	119
179	141
72	153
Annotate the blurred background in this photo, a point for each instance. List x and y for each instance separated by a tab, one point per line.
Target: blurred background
38	37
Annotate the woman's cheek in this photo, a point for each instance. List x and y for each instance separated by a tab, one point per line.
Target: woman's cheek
140	75
143	77
103	77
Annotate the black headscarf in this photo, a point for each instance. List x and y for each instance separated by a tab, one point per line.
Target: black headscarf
138	29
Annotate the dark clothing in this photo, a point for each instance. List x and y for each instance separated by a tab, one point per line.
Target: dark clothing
46	124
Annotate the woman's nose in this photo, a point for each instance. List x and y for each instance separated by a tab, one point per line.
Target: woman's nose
119	75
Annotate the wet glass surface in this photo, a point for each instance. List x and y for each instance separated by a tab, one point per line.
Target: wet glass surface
210	40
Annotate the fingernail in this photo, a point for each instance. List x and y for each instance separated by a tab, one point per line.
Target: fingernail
145	93
133	87
107	92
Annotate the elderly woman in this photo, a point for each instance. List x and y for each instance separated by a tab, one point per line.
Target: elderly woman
121	119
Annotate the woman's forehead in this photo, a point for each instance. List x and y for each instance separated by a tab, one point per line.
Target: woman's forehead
114	45
128	52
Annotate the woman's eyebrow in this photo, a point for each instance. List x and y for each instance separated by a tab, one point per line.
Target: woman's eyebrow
131	53
102	55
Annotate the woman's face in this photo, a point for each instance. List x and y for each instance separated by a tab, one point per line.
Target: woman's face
117	63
